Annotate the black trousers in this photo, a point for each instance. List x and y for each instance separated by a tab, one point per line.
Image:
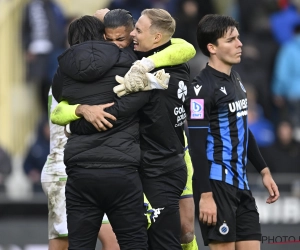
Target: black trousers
163	193
117	192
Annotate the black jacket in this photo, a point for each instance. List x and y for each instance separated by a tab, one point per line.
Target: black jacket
161	115
86	75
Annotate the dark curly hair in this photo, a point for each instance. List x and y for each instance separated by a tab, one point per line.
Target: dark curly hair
85	28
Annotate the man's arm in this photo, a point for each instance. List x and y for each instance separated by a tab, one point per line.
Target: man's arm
121	109
180	51
207	205
198	105
258	162
64	113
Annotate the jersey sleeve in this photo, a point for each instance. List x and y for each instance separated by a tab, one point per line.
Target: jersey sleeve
254	154
200	98
198	106
180	51
64	113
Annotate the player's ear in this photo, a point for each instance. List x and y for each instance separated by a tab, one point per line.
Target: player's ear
157	37
211	48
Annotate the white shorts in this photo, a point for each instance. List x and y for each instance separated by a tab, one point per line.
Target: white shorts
57	218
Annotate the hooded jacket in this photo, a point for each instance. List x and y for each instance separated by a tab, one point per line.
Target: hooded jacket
86	75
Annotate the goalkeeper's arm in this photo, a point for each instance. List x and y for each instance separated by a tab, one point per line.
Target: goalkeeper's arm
64	113
180	51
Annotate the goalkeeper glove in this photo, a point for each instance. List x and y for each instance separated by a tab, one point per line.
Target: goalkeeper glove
146	82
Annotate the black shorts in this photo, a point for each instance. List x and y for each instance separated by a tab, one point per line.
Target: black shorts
237	215
163	193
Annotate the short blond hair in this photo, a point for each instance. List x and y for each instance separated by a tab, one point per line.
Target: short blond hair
161	20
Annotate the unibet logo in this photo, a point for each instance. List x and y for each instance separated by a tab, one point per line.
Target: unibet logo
238	105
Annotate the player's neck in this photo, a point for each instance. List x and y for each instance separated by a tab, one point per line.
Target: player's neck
220	66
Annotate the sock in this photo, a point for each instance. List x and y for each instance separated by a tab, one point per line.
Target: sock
190	246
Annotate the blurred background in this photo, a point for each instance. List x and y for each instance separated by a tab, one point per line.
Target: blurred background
32	38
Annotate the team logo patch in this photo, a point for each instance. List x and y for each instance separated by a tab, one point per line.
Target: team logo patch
197	108
224	229
242	86
182	91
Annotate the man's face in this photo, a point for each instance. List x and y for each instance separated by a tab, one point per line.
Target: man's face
143	37
229	48
120	36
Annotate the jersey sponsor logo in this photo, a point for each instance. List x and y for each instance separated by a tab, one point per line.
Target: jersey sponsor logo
223	90
197	108
240	107
242	86
182	91
197	89
224	229
181	115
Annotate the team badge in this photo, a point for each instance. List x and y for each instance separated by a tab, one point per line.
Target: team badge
197	108
224	229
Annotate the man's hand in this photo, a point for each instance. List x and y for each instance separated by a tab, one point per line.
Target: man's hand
96	115
101	13
208	209
141	82
270	184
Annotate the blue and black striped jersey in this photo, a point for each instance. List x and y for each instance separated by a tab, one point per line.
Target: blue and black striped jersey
218	103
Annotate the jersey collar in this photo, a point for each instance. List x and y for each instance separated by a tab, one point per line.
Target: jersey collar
140	55
217	73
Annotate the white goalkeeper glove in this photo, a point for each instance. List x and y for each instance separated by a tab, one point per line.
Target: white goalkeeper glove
136	75
146	82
